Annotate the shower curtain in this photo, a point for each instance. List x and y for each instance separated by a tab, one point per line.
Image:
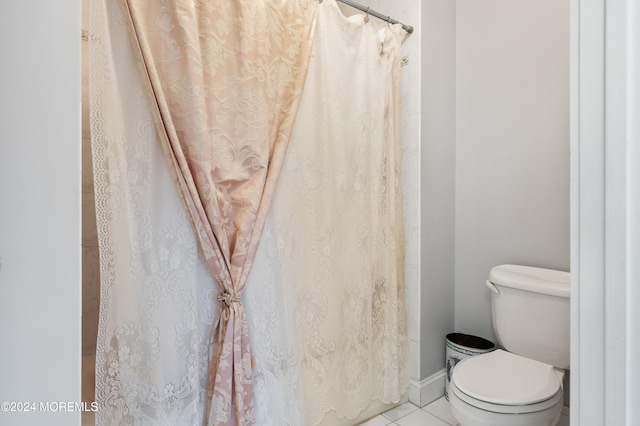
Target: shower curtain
324	296
326	291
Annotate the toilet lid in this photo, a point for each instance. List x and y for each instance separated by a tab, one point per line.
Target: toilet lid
458	399
504	378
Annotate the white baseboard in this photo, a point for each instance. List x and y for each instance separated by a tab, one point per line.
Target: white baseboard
425	391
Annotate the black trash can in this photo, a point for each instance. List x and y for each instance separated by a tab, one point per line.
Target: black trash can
461	346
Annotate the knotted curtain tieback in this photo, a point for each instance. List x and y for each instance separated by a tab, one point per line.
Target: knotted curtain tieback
225	299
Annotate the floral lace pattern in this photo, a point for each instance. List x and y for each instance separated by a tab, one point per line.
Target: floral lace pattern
227	78
157	300
325	297
324	300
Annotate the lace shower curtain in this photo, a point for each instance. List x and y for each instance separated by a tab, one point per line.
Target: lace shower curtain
227	78
158	304
325	296
318	347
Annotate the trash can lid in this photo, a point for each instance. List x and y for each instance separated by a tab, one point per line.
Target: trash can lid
470	341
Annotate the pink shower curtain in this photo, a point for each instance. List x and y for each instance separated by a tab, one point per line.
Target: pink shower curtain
227	77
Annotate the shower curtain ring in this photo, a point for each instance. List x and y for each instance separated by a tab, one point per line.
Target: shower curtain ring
366	16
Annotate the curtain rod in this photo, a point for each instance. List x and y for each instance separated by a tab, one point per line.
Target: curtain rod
407	28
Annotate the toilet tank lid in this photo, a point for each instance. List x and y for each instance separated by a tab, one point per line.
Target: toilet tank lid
529	278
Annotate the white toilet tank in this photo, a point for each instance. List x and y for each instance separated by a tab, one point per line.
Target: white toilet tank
530	308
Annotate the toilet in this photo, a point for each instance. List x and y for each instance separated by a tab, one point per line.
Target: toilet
521	385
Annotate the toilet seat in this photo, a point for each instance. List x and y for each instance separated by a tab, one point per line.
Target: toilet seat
506	409
472	415
502	382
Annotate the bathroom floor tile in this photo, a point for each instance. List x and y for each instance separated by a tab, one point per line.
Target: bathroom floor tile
420	418
400	411
441	408
377	421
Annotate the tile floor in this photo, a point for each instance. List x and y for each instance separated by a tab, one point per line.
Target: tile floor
438	413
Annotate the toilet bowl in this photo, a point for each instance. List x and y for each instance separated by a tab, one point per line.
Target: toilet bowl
504	389
521	385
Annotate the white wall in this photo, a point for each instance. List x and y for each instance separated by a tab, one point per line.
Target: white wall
40	207
512	145
437	175
633	194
